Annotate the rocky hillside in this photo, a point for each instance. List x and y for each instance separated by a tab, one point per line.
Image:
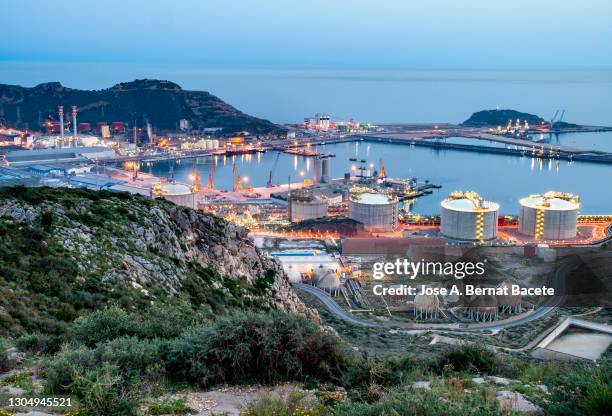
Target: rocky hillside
162	103
67	251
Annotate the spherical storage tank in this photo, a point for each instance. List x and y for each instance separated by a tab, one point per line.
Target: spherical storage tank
466	216
175	192
550	216
376	211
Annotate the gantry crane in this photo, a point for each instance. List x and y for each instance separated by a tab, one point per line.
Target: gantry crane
270	184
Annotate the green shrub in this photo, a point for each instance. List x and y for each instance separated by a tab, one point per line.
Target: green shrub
4	364
469	358
294	403
264	347
419	403
170	406
61	371
167	321
579	389
130	354
102	325
39	343
373	371
103	392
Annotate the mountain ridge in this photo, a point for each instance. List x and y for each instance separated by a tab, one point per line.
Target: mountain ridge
162	103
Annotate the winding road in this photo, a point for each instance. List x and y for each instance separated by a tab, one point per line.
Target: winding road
549	306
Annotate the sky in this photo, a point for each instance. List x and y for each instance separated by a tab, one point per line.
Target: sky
386	34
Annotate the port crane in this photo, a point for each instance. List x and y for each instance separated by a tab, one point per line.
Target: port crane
195	177
211	176
272	169
561	114
237	179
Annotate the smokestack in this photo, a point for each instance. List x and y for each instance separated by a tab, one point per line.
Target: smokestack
74	126
316	171
325	178
60	109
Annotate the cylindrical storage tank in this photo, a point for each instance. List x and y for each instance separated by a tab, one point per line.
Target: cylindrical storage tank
175	192
325	176
551	216
303	205
466	216
377	212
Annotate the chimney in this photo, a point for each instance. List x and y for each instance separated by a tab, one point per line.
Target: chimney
74	126
60	109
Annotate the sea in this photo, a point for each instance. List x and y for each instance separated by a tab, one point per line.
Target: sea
288	95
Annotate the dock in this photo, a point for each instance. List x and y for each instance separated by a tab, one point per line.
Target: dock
524	147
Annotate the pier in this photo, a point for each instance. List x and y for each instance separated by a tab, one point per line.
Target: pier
524	147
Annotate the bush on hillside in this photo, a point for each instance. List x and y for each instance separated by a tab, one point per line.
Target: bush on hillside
366	376
420	403
4	361
263	347
39	343
469	358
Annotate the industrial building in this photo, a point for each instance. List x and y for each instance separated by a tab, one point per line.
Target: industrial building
378	212
304	205
549	216
178	193
466	216
68	154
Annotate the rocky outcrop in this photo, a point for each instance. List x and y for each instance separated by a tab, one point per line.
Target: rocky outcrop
150	245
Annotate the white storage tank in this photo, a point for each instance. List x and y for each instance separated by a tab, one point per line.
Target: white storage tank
378	212
466	216
175	192
303	205
549	216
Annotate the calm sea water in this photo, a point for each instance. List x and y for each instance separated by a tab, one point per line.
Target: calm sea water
504	179
383	96
386	96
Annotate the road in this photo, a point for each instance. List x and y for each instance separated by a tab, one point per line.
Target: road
549	306
332	306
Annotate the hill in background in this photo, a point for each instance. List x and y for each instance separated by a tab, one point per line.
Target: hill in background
162	103
500	118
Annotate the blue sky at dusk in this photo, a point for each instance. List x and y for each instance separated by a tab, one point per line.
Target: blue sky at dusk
319	33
